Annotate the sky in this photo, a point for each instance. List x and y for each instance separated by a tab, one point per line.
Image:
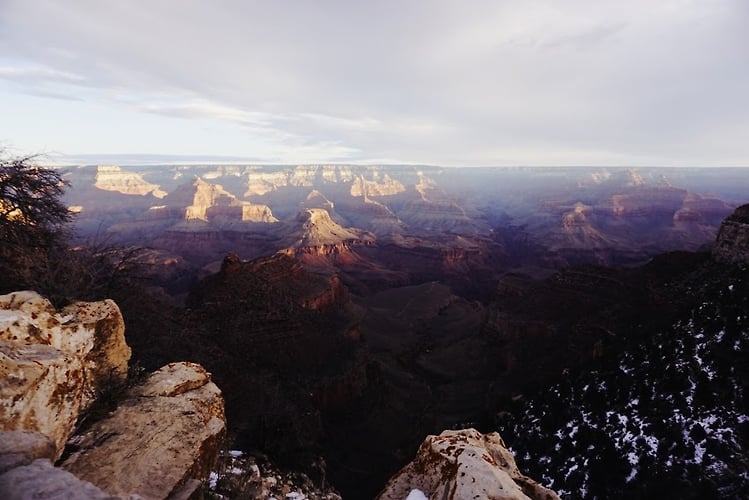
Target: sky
454	83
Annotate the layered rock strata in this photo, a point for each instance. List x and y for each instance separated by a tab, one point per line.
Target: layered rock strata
113	178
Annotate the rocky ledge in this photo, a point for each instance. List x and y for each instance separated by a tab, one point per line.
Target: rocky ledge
732	245
464	464
161	441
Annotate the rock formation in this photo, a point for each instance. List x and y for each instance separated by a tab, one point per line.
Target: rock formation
647	201
40	479
41	390
464	464
380	185
320	241
113	178
732	245
628	215
200	200
440	216
54	364
161	441
176	423
319	229
579	231
372	216
261	180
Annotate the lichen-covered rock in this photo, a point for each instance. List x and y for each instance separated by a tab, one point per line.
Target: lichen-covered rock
93	332
41	480
41	389
464	464
159	441
53	364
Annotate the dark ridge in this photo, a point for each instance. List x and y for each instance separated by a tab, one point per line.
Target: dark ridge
741	214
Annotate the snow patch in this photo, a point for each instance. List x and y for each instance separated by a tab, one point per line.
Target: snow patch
417	495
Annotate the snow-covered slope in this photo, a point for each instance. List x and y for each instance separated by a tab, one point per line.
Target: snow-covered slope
666	418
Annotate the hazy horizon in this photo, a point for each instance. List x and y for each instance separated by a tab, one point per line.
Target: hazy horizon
145	160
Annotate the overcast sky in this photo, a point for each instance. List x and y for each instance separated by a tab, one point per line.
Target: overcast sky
463	82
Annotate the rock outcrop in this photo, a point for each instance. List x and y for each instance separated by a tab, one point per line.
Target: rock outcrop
55	363
160	441
113	178
200	200
379	185
319	229
464	464
732	245
321	241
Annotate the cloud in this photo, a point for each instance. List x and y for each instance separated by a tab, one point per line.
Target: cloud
422	81
38	75
43	81
198	109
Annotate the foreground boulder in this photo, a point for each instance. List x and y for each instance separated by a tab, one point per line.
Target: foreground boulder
18	448
41	480
53	364
464	464
40	390
160	442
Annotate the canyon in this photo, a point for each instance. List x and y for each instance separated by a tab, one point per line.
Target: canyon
383	226
349	311
258	207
